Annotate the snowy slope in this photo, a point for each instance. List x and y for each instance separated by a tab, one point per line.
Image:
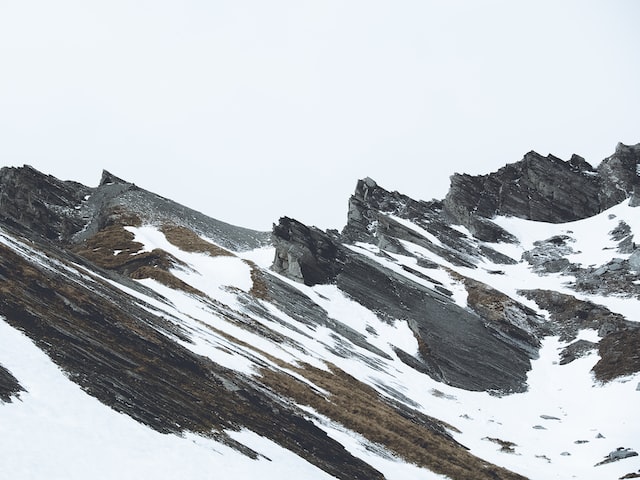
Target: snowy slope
561	427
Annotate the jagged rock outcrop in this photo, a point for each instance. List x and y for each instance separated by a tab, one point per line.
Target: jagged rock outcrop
620	338
72	213
541	188
41	203
370	219
457	346
69	294
212	341
305	254
619	175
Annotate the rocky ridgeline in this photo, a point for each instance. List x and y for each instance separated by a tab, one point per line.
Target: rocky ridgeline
136	361
68	212
544	189
65	249
486	346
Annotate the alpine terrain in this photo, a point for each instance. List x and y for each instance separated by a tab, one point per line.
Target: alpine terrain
493	334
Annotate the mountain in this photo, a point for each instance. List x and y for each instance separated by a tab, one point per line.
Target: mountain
493	334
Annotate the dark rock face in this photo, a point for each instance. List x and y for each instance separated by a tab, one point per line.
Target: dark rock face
305	254
577	349
41	203
71	213
370	220
457	346
126	357
9	385
620	175
545	189
618	347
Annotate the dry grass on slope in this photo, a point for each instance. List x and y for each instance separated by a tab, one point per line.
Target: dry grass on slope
188	241
114	248
413	437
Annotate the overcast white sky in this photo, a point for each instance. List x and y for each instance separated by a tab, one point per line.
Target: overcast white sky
251	110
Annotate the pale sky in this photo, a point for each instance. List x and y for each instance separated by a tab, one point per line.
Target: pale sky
252	110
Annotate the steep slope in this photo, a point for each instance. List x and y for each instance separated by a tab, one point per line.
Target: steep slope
403	347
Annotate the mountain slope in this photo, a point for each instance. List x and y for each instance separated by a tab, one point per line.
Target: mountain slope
403	347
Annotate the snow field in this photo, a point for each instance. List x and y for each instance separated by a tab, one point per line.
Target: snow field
58	432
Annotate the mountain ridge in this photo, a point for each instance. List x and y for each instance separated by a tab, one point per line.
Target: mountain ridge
188	324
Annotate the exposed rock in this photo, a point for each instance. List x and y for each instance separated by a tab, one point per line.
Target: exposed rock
616	277
544	189
457	346
514	322
631	475
548	256
505	445
634	261
370	220
549	417
305	254
72	213
619	354
41	203
569	315
9	386
618	347
619	175
576	350
114	349
618	454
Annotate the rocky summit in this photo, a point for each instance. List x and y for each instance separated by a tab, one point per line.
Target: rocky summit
493	334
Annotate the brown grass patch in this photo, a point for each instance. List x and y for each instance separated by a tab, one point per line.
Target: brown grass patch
155	264
416	438
187	240
166	278
259	288
619	355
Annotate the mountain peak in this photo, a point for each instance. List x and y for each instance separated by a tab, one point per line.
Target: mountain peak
389	350
109	178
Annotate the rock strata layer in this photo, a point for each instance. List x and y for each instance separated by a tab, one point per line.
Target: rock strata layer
545	189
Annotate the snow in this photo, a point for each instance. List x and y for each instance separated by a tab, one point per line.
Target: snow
362	320
382	460
56	431
584	410
263	257
209	274
593	244
419	230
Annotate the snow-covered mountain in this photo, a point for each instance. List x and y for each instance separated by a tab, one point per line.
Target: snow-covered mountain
492	335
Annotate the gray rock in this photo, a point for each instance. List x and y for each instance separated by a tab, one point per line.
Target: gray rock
634	261
548	256
9	386
543	188
549	417
618	454
456	345
576	350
